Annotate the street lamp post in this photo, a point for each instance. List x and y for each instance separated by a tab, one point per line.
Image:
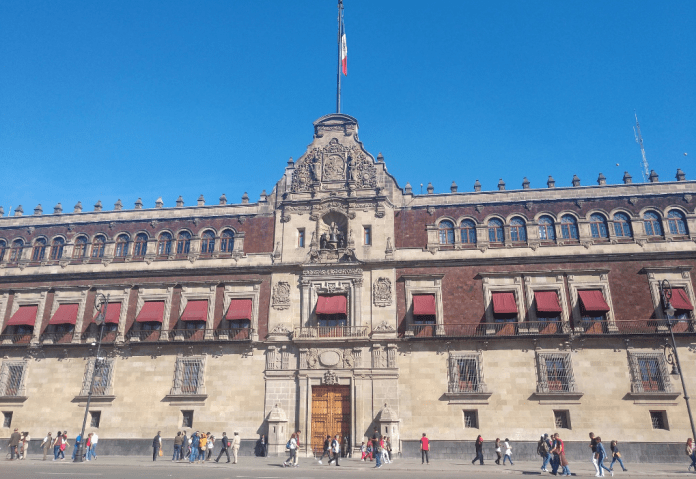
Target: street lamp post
101	302
673	356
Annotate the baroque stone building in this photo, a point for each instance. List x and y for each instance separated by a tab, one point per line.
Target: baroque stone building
341	302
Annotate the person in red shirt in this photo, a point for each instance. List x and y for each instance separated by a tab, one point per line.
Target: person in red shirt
425	447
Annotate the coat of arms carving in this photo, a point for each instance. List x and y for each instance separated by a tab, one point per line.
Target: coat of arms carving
382	292
281	295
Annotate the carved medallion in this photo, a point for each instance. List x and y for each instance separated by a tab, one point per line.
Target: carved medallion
329	358
334	168
382	292
330	378
281	295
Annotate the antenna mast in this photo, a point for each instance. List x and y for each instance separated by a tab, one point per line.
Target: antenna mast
645	169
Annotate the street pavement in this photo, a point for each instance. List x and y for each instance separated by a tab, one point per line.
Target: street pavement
124	467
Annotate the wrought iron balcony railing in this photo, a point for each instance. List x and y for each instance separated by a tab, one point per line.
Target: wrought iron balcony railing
24	338
327	332
57	338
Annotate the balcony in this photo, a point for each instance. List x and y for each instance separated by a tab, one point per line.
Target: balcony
143	336
22	338
232	334
330	332
57	338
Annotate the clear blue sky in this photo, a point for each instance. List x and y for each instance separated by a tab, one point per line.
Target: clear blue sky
128	99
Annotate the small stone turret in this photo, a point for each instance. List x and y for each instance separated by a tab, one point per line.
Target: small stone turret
477	185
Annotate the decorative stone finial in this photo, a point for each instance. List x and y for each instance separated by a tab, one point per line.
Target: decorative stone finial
408	190
19	211
201	200
223	198
2	211
118	205
245	198
380	158
551	183
501	185
38	210
263	196
291	162
477	185
58	209
525	183
453	187
179	202
576	180
627	178
601	180
681	176
139	204
159	203
78	207
98	206
653	177
430	188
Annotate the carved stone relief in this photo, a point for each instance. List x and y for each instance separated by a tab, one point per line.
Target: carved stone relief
330	378
382	292
281	295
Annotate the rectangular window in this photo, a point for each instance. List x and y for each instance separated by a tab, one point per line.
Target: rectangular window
555	373
367	230
561	419
7	419
471	419
95	419
466	375
659	420
188	376
186	418
649	373
301	238
12	378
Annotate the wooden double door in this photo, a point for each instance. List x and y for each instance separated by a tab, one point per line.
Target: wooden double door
330	414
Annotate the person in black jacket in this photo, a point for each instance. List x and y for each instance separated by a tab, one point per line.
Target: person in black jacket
224	448
156	445
479	451
327	449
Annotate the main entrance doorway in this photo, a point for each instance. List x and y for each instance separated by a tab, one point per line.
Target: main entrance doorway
330	414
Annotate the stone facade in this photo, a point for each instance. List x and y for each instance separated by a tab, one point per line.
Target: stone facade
337	225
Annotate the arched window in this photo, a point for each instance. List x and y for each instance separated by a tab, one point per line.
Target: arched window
39	250
598	226
98	245
569	227
183	242
676	222
57	248
495	231
80	248
547	232
468	232
140	247
16	251
227	241
622	225
164	246
207	242
3	247
122	246
446	232
518	230
653	225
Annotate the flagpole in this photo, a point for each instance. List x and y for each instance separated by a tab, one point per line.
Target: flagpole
338	66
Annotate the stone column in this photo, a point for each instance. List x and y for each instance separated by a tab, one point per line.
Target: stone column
357	302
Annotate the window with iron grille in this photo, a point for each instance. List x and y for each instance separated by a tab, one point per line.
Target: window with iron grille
7	419
95	419
471	419
659	419
561	419
649	373
103	377
555	373
186	418
188	376
12	377
466	374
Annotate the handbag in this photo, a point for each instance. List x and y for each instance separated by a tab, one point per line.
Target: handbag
160	452
62	447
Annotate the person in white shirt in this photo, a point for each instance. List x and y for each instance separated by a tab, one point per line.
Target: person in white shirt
93	449
508	452
46	445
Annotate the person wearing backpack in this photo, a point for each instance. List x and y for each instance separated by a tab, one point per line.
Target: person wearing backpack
291	447
224	448
335	449
327	449
544	451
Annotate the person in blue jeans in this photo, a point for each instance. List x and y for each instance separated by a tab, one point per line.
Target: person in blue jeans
78	439
547	454
195	442
616	455
508	452
601	455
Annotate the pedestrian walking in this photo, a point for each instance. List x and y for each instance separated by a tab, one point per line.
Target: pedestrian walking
95	440
88	447
385	453
363	451
555	452
202	444
193	447
388	446
616	455
236	442
601	455
508	452
543	450
562	461
15	438
498	450
335	449
47	444
210	446
691	453
156	445
479	451
593	447
78	440
224	448
377	448
264	446
24	444
291	447
56	445
327	449
297	455
369	451
65	444
178	442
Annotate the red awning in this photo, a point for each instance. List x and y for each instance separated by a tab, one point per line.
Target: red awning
680	300
196	310
65	314
25	316
424	305
113	313
151	311
593	300
547	302
504	303
331	305
239	309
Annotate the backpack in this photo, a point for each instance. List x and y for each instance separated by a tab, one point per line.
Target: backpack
543	448
287	446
